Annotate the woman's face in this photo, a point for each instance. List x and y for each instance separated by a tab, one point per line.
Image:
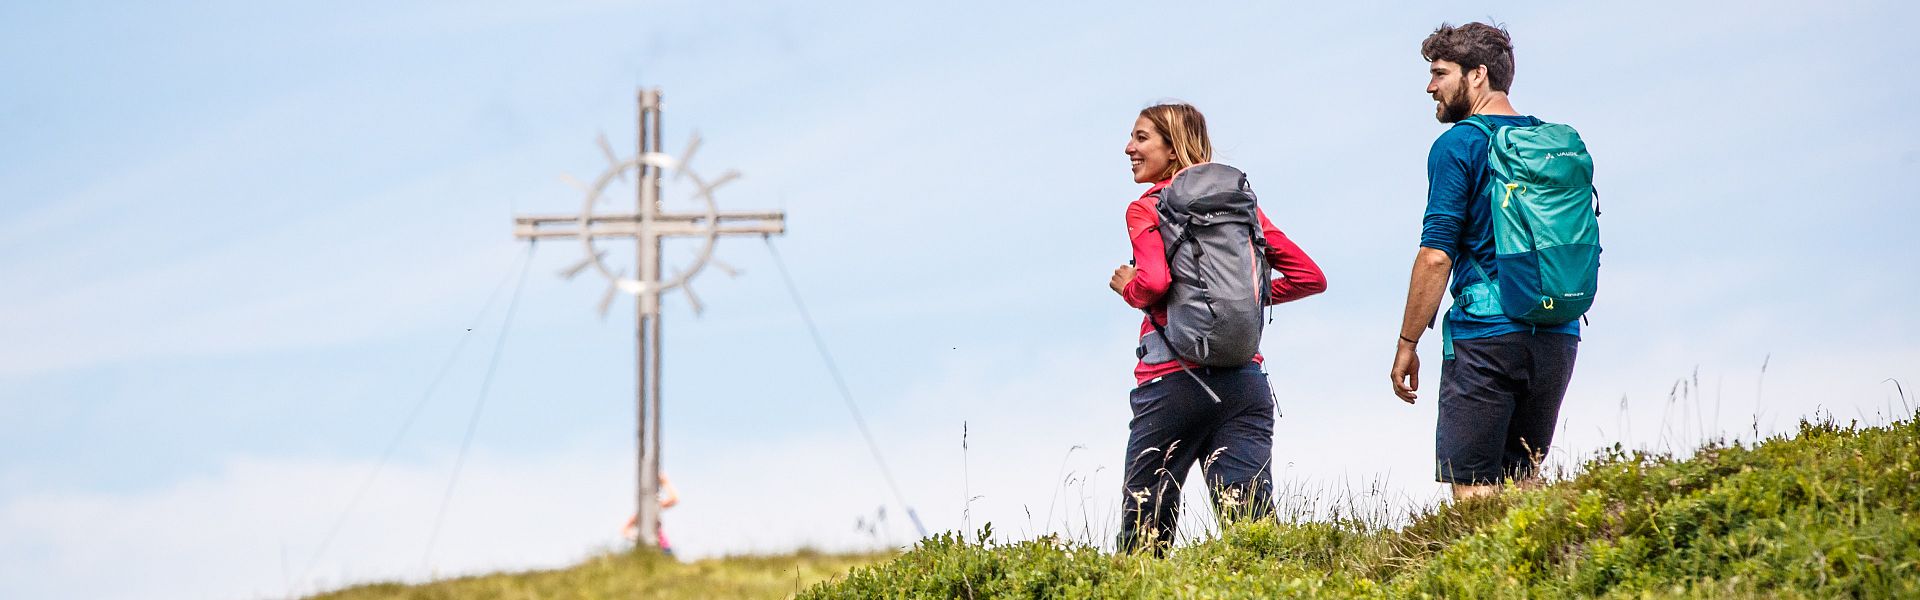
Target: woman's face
1150	154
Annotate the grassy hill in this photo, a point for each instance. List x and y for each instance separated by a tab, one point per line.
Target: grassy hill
625	576
1831	511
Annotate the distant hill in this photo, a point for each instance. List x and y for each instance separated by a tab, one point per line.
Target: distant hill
1831	511
624	576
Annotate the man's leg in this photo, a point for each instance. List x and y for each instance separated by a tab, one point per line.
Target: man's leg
1536	411
1469	492
1477	398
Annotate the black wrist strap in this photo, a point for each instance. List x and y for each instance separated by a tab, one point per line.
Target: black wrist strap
1403	338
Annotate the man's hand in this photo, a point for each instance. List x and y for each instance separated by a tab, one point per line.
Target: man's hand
1430	271
1121	276
1406	372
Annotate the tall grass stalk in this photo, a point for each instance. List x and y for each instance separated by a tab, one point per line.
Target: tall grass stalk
1828	510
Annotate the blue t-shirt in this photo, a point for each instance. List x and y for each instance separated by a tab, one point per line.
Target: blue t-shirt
1459	222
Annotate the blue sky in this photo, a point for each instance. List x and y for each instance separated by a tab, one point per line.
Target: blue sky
239	240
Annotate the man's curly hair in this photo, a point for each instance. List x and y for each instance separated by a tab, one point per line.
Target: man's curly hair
1471	46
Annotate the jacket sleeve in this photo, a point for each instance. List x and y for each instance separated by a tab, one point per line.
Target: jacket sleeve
1299	276
1151	278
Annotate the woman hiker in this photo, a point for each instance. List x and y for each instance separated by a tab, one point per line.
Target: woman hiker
1176	421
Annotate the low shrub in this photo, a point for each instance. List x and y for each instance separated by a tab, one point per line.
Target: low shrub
1830	511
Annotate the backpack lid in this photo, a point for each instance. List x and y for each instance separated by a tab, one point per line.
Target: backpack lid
1210	193
1539	152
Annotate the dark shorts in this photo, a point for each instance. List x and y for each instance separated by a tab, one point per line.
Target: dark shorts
1499	402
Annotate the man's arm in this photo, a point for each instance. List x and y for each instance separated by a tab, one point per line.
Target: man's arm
1430	271
1449	189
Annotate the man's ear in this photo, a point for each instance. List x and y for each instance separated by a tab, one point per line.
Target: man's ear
1479	72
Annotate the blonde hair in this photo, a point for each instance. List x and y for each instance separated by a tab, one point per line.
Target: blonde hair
1185	130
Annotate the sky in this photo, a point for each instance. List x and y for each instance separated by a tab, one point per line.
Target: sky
256	262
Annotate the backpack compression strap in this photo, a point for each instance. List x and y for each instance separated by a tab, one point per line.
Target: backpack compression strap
1185	235
1180	361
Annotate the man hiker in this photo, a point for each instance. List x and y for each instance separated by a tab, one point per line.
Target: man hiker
1504	372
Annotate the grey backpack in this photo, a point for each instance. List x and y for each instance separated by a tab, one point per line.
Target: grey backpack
1216	253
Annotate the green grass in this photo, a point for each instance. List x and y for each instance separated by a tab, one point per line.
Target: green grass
626	576
1832	511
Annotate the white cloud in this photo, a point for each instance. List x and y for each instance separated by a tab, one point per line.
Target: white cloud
252	528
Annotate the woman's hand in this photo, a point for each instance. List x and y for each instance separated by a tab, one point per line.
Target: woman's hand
1121	276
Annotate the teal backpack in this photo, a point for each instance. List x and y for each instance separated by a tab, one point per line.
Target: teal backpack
1546	234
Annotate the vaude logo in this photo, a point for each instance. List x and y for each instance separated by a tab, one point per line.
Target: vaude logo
1551	156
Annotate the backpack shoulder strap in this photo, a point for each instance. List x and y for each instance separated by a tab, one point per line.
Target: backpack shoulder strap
1479	123
1478	269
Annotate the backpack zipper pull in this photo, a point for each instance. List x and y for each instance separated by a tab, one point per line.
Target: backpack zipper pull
1509	199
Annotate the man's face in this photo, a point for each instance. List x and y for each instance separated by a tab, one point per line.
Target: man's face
1449	90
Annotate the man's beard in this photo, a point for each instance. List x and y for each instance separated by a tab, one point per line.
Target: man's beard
1455	107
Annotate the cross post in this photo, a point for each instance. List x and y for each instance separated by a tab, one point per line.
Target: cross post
648	225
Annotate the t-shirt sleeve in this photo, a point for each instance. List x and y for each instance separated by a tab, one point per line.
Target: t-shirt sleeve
1449	188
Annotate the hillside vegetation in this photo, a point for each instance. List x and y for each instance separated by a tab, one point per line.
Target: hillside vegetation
1829	513
624	576
1832	511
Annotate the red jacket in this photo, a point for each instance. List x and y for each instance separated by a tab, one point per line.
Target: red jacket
1299	277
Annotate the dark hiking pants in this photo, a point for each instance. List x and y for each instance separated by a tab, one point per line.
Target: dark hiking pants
1499	403
1175	424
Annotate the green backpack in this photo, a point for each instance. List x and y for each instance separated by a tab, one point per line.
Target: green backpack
1546	237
